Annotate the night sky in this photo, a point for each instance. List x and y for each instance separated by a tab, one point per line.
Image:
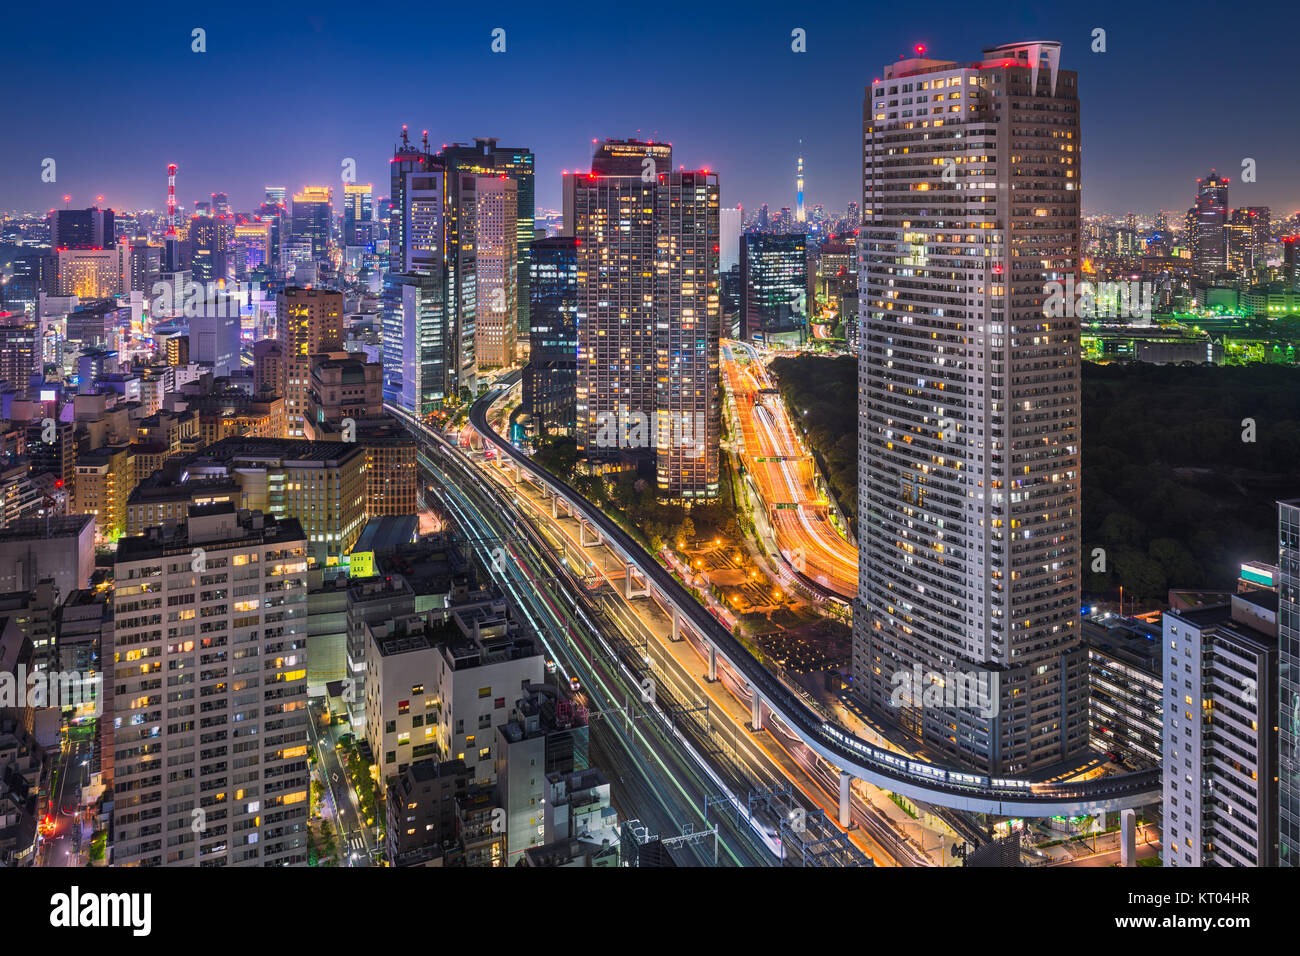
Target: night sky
285	91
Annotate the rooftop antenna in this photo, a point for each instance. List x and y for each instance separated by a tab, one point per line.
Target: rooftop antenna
405	139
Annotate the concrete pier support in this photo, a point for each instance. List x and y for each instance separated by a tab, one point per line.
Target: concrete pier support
596	538
1127	838
846	799
755	710
677	624
713	664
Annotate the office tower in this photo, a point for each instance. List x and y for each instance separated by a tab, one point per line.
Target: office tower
358	207
177	344
774	287
320	484
268	368
799	215
214	338
407	159
425	296
221	204
311	218
276	212
1288	717
310	321
210	239
82	229
1208	222
853	215
252	247
216	776
61	549
418	344
486	158
551	375
648	314
20	352
33	274
1220	748
730	227
496	272
968	414
144	266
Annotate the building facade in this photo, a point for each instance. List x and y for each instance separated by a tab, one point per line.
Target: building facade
968	438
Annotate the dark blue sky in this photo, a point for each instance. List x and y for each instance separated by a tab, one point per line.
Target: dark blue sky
285	91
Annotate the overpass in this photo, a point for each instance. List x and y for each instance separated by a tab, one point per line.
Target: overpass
948	787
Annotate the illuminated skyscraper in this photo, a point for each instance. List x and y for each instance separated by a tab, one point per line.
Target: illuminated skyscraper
358	206
465	164
82	228
1208	221
495	271
968	434
774	286
649	314
1288	717
550	377
311	218
310	321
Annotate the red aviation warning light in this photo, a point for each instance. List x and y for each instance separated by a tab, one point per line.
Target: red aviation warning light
920	49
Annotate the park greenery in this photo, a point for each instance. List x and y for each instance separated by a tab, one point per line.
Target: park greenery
631	500
1182	464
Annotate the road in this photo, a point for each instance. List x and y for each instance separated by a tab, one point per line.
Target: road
356	839
752	763
784	476
62	844
647	748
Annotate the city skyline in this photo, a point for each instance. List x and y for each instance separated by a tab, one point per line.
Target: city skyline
758	104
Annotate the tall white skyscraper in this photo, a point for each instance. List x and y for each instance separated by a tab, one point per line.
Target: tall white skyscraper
969	405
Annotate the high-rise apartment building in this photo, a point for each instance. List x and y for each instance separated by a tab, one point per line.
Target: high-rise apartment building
1220	749
1288	668
649	314
550	377
968	435
207	711
310	321
496	272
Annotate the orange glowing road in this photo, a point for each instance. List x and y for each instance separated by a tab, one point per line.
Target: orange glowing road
784	477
